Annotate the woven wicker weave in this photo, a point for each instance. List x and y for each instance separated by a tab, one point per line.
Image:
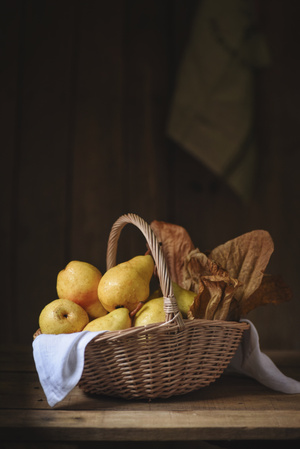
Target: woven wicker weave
159	360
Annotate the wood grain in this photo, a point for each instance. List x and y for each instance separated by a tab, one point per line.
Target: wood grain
10	87
165	425
233	408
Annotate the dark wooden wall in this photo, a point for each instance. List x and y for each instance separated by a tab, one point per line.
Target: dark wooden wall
85	94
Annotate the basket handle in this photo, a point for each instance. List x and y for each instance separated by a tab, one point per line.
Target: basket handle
170	303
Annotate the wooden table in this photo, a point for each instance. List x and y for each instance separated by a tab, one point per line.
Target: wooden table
221	415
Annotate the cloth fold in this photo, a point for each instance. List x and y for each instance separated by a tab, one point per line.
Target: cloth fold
59	361
212	110
249	360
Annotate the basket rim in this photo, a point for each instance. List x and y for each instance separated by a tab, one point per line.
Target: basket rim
161	327
170	326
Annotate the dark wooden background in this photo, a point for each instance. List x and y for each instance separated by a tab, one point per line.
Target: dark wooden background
85	94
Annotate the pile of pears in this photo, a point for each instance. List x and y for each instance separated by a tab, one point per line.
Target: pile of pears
118	300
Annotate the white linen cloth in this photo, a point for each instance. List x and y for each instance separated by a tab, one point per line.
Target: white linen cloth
59	361
250	361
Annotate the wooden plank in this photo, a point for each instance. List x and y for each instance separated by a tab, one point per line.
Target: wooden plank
121	99
99	180
16	359
10	13
46	72
21	389
145	103
159	426
148	77
233	407
278	184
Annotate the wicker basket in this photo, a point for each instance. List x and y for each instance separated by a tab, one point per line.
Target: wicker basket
158	360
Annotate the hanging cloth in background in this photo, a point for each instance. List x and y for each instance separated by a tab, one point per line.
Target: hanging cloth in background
211	114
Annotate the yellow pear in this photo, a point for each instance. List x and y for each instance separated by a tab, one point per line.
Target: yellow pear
62	316
78	282
184	298
151	312
118	319
126	284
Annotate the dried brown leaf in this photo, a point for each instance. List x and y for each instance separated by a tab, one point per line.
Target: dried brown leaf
200	303
228	296
176	245
230	281
273	290
214	286
245	258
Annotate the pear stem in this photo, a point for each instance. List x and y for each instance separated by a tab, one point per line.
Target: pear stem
138	307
